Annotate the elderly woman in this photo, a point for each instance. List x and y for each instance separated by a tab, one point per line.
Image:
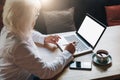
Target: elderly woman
18	52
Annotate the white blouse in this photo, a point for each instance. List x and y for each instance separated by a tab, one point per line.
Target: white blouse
18	58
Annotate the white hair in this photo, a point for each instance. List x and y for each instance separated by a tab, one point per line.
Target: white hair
19	15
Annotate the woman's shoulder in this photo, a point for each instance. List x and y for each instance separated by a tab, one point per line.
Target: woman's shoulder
12	40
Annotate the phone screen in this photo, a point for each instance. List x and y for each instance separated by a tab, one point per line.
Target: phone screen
80	65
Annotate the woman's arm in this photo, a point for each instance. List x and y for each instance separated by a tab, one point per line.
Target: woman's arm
24	57
38	37
44	39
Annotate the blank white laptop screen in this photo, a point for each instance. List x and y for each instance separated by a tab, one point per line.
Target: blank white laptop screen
90	30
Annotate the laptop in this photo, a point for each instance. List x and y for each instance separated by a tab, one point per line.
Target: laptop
86	37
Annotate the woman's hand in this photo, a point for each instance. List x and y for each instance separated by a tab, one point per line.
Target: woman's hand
51	39
71	47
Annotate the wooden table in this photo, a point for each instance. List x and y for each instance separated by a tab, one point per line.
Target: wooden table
110	41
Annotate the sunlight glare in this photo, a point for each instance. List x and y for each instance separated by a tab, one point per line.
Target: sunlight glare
46	2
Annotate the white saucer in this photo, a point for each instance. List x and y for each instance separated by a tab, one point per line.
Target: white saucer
105	63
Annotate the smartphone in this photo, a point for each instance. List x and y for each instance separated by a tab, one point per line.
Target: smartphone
78	65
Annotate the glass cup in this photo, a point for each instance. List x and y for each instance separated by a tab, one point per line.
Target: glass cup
102	56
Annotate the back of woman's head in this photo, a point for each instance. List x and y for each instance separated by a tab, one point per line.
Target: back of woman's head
19	15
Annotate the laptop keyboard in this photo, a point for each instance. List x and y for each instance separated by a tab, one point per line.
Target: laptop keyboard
80	46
